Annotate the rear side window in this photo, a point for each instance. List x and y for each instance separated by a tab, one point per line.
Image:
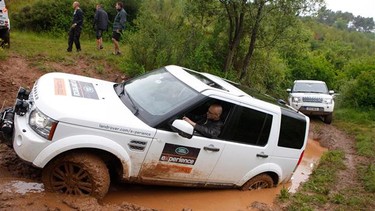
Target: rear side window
248	126
292	130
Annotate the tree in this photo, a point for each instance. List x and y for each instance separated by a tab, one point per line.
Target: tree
235	11
246	19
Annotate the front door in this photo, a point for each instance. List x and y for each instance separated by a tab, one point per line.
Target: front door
174	159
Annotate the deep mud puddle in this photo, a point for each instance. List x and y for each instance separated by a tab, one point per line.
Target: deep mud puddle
179	198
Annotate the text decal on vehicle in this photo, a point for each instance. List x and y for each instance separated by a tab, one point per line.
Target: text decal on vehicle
179	154
59	87
83	89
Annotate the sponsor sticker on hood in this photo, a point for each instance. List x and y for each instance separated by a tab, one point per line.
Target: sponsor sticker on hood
83	89
78	88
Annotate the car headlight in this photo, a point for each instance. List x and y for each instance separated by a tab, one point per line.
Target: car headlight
328	101
42	124
296	99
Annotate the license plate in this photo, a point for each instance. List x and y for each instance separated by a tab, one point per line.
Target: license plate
312	109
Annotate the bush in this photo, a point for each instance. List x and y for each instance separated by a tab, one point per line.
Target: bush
360	91
55	17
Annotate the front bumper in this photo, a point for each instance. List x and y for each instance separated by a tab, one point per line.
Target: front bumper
7	126
15	130
313	108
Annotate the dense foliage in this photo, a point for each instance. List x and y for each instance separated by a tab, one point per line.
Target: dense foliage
55	17
262	43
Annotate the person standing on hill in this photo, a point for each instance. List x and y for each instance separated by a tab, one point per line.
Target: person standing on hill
76	28
118	26
100	25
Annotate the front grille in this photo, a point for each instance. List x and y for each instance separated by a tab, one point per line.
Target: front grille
312	99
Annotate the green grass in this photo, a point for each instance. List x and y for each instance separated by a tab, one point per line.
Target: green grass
316	192
41	49
360	124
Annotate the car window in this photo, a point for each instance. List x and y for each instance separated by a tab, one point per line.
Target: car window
292	130
248	126
310	87
159	92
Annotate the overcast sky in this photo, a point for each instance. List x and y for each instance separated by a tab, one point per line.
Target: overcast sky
364	8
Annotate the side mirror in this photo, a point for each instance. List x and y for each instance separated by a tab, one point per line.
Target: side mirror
289	90
331	92
281	102
183	128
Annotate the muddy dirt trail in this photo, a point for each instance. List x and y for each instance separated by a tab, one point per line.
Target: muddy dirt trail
21	187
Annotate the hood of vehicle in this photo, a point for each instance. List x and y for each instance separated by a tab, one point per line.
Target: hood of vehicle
83	101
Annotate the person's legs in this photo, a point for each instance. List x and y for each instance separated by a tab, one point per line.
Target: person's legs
70	40
116	38
77	34
99	39
116	45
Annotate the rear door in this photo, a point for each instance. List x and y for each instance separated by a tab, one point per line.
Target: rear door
247	134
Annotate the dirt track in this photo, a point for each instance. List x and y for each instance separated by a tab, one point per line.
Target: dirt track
20	183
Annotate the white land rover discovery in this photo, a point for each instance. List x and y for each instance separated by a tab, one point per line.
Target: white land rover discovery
80	130
312	97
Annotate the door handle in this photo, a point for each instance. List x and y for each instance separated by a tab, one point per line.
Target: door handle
262	155
211	148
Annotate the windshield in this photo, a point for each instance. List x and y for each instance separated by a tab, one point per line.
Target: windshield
158	92
310	87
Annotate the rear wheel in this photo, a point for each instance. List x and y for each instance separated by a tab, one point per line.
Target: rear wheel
328	118
261	181
4	38
77	174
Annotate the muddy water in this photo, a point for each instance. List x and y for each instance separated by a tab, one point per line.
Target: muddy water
311	158
179	198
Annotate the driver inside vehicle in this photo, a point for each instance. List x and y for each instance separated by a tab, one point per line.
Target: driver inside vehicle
209	125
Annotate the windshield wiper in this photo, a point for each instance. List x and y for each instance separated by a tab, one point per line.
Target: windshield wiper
123	91
136	110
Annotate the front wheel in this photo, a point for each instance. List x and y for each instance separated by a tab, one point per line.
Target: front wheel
77	174
261	181
5	39
328	118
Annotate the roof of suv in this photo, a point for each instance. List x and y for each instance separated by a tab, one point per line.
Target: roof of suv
309	81
205	81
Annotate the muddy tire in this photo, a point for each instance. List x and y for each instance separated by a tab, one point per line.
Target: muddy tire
328	118
261	181
77	174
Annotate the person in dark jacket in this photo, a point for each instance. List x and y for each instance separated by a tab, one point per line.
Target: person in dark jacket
76	28
210	125
100	25
118	26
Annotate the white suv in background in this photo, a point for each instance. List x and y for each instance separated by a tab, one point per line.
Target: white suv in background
4	26
312	97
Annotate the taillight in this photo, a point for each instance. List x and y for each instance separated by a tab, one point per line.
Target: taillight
300	157
299	160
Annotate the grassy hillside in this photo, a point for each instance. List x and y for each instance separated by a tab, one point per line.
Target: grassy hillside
41	49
